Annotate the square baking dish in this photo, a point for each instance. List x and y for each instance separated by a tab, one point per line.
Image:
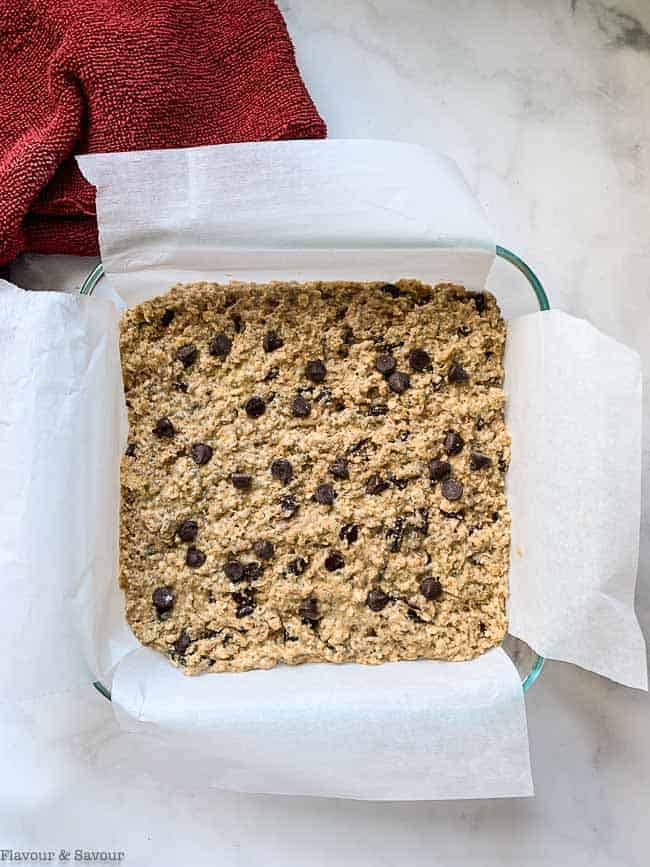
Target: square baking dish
528	663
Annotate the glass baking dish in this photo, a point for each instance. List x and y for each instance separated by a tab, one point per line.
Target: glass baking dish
528	663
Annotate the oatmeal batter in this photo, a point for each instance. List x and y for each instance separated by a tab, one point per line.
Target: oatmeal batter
315	472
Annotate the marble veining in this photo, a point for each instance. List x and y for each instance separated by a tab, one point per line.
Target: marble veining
621	29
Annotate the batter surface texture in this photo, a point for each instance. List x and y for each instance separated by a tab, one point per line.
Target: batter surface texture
315	472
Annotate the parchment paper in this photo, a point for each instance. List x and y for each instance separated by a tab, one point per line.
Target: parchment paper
297	210
411	730
62	431
574	491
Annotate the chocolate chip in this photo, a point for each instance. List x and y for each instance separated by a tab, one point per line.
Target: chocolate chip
187	530
167	317
378	409
187	354
271	374
390	289
163	599
385	364
399	382
130	450
300	407
399	483
289	505
179	385
439	470
245	610
495	517
272	341
457	516
264	549
457	373
339	406
253	571
375	484
480	301
349	533
325	494
233	570
334	561
308	610
481	628
182	643
453	442
164	428
431	588
237	323
451	489
478	461
503	464
241	481
298	566
419	359
282	470
396	534
412	614
463	330
194	558
377	600
244	596
201	453
315	370
220	345
339	468
359	446
255	406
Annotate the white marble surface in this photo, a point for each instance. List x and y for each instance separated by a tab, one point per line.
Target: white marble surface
544	103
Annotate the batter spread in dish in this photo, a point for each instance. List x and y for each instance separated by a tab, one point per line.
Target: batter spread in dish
315	472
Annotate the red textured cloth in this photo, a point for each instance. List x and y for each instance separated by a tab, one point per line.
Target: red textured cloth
84	76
